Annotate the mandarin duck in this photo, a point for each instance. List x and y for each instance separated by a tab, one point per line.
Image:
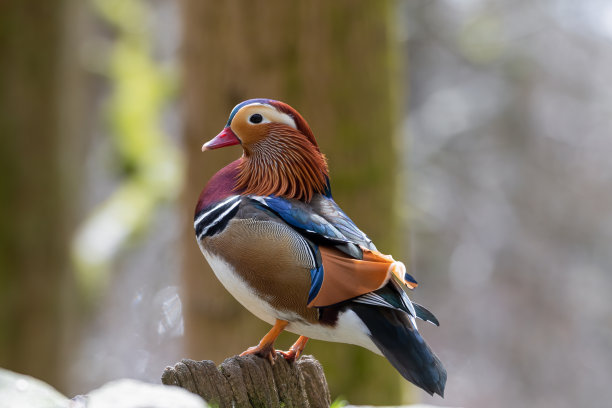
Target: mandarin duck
278	242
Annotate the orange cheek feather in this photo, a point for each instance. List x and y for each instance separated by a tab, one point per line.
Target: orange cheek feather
250	134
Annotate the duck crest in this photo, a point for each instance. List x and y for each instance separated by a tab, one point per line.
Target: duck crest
286	164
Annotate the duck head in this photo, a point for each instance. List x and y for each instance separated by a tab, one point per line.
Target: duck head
280	154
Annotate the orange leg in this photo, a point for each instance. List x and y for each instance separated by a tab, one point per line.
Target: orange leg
265	348
296	350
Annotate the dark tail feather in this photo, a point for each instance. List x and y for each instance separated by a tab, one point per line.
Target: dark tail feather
425	314
399	341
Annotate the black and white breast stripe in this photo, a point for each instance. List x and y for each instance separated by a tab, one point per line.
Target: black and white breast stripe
212	220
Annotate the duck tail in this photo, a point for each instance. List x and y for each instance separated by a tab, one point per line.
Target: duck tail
397	337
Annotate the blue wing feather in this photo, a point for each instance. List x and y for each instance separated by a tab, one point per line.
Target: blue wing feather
298	215
327	208
307	221
316	280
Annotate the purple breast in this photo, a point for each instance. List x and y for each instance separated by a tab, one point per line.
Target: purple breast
220	186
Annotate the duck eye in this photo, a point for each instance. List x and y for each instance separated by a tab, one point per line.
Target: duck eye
256	118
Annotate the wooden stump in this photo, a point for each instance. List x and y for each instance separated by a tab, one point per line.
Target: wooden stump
250	381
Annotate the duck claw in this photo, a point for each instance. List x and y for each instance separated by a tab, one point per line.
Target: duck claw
266	351
290	355
296	350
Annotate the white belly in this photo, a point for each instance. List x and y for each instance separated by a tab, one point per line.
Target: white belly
349	328
239	289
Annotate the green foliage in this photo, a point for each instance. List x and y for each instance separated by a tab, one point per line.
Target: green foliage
151	164
339	403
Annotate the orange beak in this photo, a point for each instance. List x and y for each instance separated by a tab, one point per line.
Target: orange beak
227	137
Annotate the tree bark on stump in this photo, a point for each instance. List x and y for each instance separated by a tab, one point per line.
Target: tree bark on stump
250	381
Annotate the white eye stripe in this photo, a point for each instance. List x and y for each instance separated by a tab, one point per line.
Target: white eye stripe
284	118
271	115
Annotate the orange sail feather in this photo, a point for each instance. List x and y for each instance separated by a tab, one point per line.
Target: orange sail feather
346	277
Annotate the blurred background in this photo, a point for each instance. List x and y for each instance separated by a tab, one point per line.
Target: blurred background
471	138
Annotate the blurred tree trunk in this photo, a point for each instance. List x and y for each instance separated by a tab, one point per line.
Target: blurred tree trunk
335	62
37	163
